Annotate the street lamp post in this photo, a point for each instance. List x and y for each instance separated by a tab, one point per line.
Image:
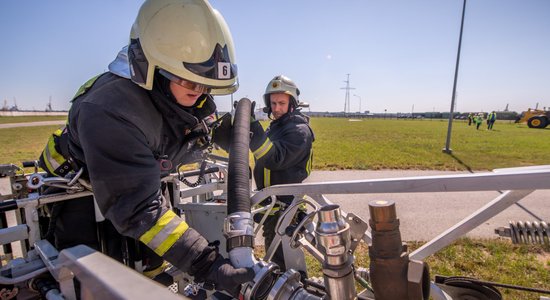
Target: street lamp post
447	148
359	102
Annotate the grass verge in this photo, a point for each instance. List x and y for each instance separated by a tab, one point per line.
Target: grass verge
23	143
374	144
496	260
417	144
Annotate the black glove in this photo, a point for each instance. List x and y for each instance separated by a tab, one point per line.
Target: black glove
252	115
198	137
225	277
221	133
212	269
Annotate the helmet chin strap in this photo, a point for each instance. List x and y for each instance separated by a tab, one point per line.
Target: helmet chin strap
163	84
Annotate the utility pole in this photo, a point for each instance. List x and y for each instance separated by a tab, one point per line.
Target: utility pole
346	100
447	148
15	108
49	105
359	102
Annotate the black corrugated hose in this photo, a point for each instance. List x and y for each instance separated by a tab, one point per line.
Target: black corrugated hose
238	186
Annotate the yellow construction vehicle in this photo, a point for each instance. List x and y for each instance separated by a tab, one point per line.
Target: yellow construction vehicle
535	118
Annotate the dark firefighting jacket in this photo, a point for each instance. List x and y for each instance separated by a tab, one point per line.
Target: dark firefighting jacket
119	132
283	153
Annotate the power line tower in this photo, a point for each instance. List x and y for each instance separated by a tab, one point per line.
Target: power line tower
346	100
49	105
14	107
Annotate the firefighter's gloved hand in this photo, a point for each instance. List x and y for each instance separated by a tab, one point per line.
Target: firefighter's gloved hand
252	107
221	134
218	273
226	277
252	115
256	134
198	137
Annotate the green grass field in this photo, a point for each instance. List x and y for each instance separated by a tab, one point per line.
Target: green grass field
23	143
487	260
370	144
5	120
417	144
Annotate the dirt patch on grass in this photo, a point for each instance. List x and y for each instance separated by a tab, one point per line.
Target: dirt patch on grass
544	258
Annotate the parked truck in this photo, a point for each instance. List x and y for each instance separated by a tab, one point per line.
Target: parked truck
535	118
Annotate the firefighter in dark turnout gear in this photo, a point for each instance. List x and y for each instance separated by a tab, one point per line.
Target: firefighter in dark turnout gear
136	123
283	153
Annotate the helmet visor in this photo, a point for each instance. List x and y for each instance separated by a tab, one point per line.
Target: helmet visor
196	87
218	66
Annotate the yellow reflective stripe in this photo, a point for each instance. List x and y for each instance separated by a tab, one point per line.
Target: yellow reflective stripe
166	231
50	156
47	157
154	272
202	102
267	177
309	163
162	221
58	132
264	148
172	238
54	158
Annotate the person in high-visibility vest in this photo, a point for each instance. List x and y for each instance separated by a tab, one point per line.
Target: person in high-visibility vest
491	118
478	119
136	123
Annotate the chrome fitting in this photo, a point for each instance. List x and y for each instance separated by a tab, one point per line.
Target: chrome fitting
238	229
260	286
333	236
334	242
288	286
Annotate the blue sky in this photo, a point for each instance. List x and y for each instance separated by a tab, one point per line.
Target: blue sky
400	54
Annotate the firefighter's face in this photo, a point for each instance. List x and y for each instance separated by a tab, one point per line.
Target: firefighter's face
184	96
279	104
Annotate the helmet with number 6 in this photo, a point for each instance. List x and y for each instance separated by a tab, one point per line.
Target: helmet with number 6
185	40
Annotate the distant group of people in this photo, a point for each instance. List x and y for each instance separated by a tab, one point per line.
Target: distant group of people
477	119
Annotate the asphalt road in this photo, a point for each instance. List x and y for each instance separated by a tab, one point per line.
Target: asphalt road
424	216
29	124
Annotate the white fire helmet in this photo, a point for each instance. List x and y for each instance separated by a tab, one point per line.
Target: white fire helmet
282	84
185	40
